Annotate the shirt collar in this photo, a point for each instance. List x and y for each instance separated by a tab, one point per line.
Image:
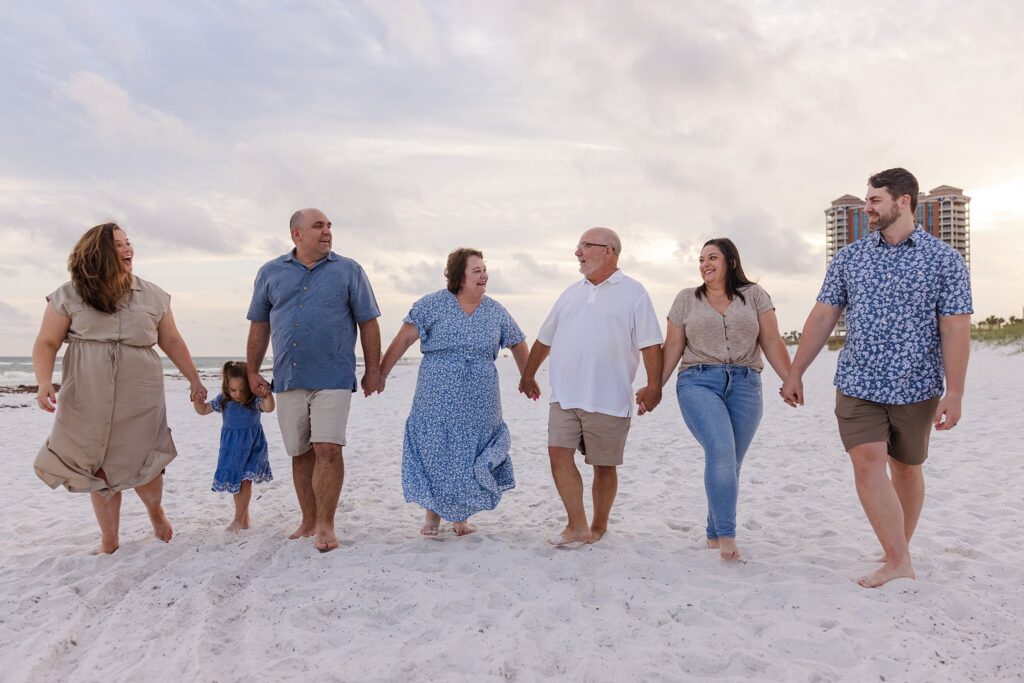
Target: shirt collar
614	279
290	256
136	285
911	240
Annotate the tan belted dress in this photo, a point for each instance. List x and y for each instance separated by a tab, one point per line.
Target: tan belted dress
110	409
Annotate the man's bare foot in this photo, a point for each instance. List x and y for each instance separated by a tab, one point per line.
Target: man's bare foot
713	544
571	537
326	540
727	549
305	530
238	524
430	524
161	525
462	528
887	573
596	533
106	547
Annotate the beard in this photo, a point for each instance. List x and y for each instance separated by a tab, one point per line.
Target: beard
883	221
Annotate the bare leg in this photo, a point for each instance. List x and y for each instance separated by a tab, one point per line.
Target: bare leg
908	480
570	487
328	477
302	476
152	494
463	528
882	506
242	498
430	523
108	514
606	486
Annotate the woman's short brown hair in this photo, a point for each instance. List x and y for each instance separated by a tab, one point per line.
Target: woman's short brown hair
96	270
455	270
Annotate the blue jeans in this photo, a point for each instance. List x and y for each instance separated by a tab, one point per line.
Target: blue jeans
721	405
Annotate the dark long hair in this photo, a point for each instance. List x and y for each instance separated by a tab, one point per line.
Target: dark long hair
96	270
735	279
235	369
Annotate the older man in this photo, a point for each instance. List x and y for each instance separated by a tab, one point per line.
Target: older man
310	301
595	334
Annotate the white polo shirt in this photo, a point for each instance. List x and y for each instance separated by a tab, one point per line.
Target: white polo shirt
595	333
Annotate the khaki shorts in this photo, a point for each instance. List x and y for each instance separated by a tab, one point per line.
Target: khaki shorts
600	438
307	417
904	428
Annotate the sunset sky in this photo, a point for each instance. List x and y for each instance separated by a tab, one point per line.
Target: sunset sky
506	126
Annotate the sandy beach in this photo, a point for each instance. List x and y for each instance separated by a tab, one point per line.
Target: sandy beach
647	603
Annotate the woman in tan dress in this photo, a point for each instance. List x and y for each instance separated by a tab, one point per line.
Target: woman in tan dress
110	432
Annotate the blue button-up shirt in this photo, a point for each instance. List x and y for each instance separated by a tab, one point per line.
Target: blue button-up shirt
894	295
313	313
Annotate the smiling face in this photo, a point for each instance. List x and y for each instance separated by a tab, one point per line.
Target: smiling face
883	209
125	251
593	252
238	389
474	278
312	236
713	267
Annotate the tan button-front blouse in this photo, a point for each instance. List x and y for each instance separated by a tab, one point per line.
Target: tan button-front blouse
716	339
110	409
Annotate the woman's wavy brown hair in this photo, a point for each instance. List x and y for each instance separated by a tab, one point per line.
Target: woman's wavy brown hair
96	270
455	270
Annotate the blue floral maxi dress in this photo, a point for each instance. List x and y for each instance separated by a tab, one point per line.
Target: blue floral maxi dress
455	458
243	446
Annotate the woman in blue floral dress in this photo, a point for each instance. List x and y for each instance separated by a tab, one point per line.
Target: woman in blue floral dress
455	457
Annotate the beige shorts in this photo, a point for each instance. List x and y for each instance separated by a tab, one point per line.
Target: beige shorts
600	438
904	428
308	417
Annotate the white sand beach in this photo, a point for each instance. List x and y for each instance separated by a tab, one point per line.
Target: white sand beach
646	603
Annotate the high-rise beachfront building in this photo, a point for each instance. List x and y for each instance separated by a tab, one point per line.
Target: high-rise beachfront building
944	212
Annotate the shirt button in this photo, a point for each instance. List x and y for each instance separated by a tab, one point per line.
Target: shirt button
305	288
294	364
300	305
295	343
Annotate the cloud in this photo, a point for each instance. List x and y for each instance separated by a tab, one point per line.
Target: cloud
13	320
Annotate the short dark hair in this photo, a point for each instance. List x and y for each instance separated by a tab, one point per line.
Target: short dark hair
898	182
735	279
455	269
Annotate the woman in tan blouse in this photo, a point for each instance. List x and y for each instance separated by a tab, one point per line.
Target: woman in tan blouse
717	332
110	433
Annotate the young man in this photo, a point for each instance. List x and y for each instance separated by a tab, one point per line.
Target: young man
907	297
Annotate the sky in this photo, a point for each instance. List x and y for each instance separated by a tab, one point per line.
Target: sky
511	127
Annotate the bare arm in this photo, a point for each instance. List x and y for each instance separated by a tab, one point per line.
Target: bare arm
255	352
770	340
528	384
52	332
672	351
268	404
819	326
521	353
955	333
405	337
369	338
648	398
170	342
202	407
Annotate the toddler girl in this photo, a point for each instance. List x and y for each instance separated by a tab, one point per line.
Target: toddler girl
243	447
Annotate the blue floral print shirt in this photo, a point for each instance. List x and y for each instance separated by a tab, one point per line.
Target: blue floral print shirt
893	296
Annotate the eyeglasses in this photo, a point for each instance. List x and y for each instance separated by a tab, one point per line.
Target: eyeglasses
586	245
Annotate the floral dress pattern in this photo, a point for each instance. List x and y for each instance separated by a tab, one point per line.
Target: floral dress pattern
455	457
243	446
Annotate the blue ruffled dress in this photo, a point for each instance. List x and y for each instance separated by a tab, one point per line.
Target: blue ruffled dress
243	446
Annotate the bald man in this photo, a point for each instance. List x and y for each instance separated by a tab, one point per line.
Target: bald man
311	302
595	334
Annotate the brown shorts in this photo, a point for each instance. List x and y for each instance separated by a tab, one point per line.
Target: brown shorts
600	438
904	428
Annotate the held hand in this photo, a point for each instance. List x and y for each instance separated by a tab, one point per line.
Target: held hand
46	397
792	391
380	385
947	414
529	387
197	392
647	399
259	385
371	381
